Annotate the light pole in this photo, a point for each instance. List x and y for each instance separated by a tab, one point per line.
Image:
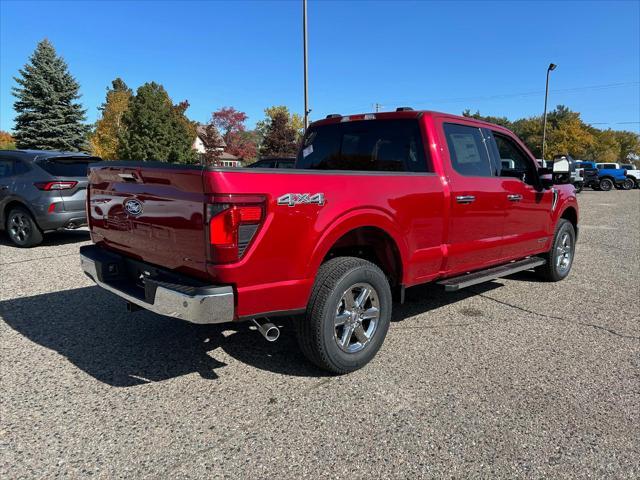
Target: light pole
552	66
306	88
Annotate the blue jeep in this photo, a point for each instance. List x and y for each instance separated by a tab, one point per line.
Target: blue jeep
602	178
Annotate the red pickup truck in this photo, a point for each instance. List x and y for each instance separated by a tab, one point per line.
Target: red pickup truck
376	203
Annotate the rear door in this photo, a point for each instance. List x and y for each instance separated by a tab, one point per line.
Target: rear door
476	224
151	213
528	208
6	180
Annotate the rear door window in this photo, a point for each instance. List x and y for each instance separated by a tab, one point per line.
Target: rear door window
469	155
67	166
6	167
367	145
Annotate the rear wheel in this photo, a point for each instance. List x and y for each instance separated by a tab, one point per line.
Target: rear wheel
22	228
628	184
560	257
347	317
606	184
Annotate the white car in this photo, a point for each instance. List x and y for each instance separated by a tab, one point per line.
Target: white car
633	173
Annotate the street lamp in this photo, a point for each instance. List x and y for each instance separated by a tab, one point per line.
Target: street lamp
552	66
306	90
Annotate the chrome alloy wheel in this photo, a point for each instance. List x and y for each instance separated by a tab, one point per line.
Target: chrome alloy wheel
19	227
564	253
356	319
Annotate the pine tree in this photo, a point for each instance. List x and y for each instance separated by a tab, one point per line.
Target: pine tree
105	140
280	137
155	129
49	117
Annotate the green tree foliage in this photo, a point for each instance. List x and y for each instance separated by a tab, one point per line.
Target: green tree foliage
567	133
156	129
48	114
7	142
294	121
109	129
280	137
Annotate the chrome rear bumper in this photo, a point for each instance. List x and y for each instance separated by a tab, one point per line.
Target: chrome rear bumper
201	305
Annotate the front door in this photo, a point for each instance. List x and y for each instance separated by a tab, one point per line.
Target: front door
477	201
528	207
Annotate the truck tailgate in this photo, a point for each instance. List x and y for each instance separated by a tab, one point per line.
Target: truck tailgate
153	214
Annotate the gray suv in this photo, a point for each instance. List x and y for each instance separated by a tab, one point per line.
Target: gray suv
41	191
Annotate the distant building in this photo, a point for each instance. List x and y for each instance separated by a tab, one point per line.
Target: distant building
225	159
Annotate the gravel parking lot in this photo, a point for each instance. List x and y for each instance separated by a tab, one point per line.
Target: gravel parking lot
512	378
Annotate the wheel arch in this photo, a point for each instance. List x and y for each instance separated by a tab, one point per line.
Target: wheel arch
12	203
371	235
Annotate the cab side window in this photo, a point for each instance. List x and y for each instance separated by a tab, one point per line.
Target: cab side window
467	149
513	161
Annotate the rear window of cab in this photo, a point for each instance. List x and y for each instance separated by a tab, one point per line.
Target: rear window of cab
366	145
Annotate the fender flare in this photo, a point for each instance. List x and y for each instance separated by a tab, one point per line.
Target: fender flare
351	220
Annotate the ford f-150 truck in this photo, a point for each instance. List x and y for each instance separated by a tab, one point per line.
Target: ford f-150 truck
376	203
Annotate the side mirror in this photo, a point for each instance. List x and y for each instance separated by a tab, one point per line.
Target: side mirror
562	169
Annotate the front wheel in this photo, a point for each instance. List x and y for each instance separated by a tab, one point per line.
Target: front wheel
560	257
606	184
347	317
578	186
628	184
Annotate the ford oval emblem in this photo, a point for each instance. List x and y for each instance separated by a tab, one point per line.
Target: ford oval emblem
133	207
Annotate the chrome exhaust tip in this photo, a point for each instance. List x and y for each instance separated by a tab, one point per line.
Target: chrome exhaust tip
268	330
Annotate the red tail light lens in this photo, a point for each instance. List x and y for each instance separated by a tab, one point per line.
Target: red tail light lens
55	185
233	222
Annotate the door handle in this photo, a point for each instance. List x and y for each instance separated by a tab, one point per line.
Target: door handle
514	198
465	199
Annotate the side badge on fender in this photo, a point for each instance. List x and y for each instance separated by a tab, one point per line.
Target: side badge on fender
293	199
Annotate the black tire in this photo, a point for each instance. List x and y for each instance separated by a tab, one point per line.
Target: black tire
22	229
605	184
578	186
317	330
628	184
555	270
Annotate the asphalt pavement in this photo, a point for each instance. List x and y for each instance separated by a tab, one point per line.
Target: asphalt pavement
514	378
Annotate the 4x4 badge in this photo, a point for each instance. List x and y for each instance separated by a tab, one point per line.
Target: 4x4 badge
293	199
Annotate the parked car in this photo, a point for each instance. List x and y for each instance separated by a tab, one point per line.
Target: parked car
41	191
377	203
617	174
275	162
632	172
600	179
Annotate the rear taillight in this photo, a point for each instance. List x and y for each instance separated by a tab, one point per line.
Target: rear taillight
233	222
55	185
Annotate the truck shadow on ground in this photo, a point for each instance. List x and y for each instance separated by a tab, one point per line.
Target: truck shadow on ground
92	329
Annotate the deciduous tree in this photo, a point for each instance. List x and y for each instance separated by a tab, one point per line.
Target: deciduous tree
109	130
7	142
48	114
230	123
156	129
294	121
280	137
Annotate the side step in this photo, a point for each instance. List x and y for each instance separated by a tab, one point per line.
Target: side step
462	281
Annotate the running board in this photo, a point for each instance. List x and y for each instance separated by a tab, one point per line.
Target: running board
463	281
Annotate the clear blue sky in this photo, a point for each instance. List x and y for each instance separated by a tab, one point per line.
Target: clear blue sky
429	55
